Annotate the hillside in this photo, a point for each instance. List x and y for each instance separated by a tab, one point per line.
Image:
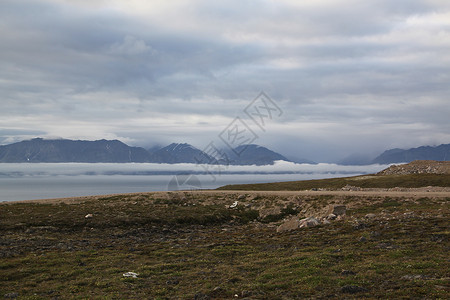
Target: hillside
419	167
413	175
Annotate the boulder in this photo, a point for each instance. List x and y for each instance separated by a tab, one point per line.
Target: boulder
291	224
337	210
309	222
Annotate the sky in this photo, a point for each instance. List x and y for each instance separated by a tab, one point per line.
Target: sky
340	77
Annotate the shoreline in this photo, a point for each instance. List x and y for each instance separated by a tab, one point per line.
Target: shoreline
439	192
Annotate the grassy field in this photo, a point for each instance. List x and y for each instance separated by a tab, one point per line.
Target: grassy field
363	181
191	246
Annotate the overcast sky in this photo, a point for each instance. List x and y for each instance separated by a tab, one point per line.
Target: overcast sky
348	76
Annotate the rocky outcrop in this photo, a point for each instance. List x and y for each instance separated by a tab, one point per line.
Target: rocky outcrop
309	222
418	167
334	212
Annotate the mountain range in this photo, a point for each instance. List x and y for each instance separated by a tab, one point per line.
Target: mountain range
392	156
114	151
439	153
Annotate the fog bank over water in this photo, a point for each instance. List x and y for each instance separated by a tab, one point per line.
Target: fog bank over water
73	169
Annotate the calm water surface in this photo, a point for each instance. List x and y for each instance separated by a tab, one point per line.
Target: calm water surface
43	181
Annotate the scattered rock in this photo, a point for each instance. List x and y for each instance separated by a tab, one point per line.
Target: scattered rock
362	239
241	197
131	274
370	216
11	295
88	216
337	210
291	224
309	222
353	289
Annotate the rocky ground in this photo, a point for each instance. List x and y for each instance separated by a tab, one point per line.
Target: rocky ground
367	243
418	167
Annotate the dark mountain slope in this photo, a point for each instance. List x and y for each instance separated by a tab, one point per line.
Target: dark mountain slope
255	155
180	153
439	153
40	150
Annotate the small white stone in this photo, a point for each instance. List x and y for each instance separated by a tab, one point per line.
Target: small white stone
131	274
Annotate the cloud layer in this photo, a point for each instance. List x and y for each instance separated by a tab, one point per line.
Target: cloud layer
350	76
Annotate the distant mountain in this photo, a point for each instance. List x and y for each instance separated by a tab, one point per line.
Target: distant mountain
40	150
439	153
180	153
356	160
255	155
301	160
114	151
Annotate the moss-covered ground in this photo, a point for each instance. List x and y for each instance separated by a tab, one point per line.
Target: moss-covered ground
188	247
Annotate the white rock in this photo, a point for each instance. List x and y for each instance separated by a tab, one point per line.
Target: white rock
88	216
235	204
131	274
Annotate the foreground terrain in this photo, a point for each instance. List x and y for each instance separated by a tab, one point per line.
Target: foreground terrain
192	245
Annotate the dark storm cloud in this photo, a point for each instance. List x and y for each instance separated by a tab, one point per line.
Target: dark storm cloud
354	73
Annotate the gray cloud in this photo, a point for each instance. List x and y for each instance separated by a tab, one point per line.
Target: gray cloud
352	76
